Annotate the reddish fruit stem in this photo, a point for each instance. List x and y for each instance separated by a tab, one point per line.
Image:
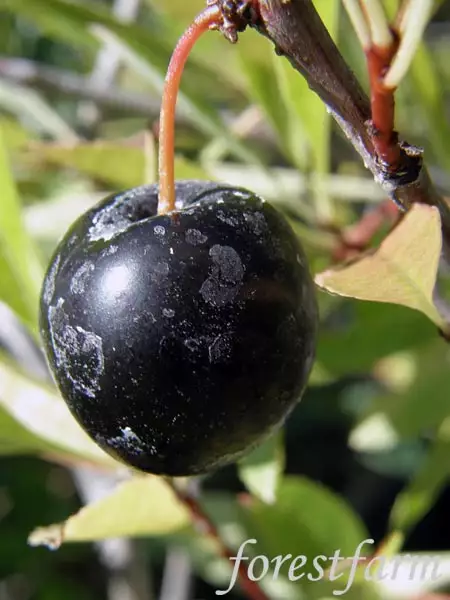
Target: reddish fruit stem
204	21
207	527
384	136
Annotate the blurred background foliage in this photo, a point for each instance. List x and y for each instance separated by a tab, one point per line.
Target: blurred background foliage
367	451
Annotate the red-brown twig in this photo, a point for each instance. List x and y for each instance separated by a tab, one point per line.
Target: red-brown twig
384	136
206	527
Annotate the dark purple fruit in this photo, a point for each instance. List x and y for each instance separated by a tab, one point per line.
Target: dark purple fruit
180	341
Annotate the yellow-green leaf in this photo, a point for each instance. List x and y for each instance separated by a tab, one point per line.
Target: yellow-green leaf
143	505
402	270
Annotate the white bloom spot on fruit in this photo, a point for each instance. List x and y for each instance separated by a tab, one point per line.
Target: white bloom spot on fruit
219	350
227	218
192	344
195	237
112	249
225	276
50	280
159	271
128	440
79	280
257	222
108	222
79	353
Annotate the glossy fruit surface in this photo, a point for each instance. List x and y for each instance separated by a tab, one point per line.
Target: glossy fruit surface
180	341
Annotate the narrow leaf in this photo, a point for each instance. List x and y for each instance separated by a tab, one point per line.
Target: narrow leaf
147	52
30	107
305	110
113	163
367	329
260	72
19	259
121	164
429	93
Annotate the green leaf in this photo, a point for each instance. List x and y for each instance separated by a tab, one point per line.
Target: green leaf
412	504
305	117
59	21
429	378
179	9
429	94
248	522
402	270
19	263
261	470
287	527
119	164
306	110
40	411
13	291
259	70
308	520
297	115
15	136
144	505
368	331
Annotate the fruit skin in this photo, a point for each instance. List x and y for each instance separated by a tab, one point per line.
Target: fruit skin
179	341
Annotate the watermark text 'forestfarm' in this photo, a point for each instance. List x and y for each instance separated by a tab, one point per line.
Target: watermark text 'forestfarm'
330	568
